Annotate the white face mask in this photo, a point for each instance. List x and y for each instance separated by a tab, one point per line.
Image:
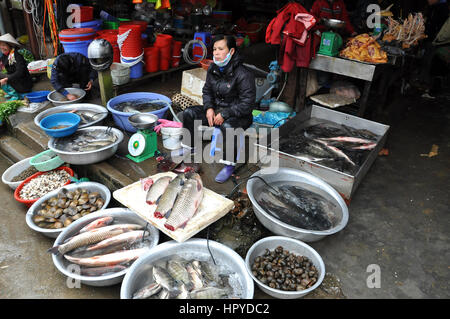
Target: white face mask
224	62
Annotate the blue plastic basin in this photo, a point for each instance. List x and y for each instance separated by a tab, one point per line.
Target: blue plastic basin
71	119
38	96
121	118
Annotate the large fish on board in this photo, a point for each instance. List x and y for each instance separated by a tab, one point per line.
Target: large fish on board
157	189
187	203
167	200
109	259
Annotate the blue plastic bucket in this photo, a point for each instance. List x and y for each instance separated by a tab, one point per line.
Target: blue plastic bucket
94	24
121	118
137	70
77	46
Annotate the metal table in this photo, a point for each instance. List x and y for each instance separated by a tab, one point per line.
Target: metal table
336	65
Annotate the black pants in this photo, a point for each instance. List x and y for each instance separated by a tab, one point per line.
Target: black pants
197	113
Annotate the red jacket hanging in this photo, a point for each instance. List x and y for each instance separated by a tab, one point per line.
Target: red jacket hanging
336	10
290	28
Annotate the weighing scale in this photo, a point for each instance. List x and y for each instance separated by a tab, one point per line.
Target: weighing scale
142	144
331	42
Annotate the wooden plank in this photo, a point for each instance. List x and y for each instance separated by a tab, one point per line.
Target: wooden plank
212	208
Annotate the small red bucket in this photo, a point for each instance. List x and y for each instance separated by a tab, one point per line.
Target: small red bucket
86	13
151	55
176	53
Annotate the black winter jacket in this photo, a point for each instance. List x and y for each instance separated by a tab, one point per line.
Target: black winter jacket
232	91
81	72
18	75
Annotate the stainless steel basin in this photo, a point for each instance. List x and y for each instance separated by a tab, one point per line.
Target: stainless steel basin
138	275
123	215
89	157
254	186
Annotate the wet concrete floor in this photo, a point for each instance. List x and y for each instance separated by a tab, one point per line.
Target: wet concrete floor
398	224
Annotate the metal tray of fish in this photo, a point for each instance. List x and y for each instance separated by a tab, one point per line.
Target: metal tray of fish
344	182
90	114
212	207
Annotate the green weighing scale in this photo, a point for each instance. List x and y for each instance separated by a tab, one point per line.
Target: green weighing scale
331	42
142	144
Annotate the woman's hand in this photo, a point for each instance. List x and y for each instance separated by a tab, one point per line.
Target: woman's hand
3	81
71	97
218	120
89	85
210	116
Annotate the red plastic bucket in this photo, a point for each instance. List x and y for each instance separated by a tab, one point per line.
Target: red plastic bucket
132	46
86	13
151	56
142	24
165	57
163	40
176	53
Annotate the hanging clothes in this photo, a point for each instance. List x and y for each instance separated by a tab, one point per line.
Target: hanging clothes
335	10
291	29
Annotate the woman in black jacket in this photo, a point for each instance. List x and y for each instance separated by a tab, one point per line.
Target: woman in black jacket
17	77
229	96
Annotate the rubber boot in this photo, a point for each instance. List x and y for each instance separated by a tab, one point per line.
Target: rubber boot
225	174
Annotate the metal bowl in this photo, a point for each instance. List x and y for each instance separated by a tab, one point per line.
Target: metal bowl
254	186
123	215
100	113
138	276
333	23
90	157
15	170
294	246
143	120
58	99
53	233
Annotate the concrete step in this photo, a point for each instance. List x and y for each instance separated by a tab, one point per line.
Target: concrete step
14	149
31	135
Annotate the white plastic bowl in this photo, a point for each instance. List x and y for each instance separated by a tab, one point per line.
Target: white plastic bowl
15	170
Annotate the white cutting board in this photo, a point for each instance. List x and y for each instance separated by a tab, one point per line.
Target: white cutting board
212	208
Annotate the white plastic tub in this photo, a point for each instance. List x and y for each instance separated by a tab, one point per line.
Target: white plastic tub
171	137
120	73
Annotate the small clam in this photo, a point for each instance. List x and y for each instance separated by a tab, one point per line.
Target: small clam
76	216
68	221
58	225
58	213
83	200
38	219
61	202
99	203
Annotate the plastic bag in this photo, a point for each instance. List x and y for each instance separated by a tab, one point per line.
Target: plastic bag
345	89
276	119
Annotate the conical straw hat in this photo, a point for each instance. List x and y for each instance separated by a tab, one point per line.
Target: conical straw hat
8	38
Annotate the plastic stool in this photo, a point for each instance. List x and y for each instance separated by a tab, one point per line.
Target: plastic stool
217	134
197	51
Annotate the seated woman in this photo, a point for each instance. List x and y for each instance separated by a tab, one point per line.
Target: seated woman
17	80
70	69
229	96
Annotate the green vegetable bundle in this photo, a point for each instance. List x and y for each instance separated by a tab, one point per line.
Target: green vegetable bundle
9	108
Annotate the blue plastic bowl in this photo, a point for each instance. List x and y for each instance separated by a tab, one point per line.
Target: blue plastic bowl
121	118
38	96
71	119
